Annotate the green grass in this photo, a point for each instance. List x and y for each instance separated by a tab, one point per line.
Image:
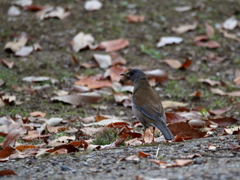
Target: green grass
107	136
151	52
1	139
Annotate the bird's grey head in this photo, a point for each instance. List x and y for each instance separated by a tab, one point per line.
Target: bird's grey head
134	74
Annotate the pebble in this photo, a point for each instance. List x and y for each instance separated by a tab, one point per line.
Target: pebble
65	168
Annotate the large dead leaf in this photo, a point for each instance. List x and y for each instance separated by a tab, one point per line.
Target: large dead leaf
169	40
24	51
227	121
69	147
92	5
222	93
7	63
104	61
148	136
117	59
133	142
173	104
183	162
17	44
173	63
79	99
185	130
92	83
230	23
135	18
209	44
25	147
220	111
143	154
184	28
6	152
7	172
105	122
113	45
82	41
157	74
53	12
13	135
174	118
115	72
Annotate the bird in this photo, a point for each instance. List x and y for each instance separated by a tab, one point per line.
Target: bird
146	104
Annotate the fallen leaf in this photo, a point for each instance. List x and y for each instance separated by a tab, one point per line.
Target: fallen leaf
7	63
196	94
24	147
50	11
169	40
79	99
209	30
148	136
13	135
186	130
17	44
79	144
217	91
24	51
7	172
184	28
191	156
220	111
230	23
143	154
106	122
132	158
174	118
115	72
183	8
120	97
187	63
173	104
104	61
92	5
209	81
236	80
212	58
38	114
113	45
70	148
33	7
234	130
13	11
201	38
133	142
183	162
211	147
39	79
93	84
81	41
135	18
117	59
226	121
173	63
158	74
209	44
6	152
197	123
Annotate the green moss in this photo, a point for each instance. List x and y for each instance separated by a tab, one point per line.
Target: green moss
2	139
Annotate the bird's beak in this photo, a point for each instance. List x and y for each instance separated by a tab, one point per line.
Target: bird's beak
125	74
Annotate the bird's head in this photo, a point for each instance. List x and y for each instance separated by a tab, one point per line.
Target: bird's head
134	74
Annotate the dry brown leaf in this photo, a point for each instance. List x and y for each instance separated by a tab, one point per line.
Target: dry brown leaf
93	84
201	38
7	63
184	28
173	63
197	123
38	114
6	152
220	111
115	72
209	30
132	158
230	36
25	147
236	80
212	58
135	18
209	81
7	172
13	135
209	44
196	94
226	121
186	130
143	154
120	97
69	147
24	51
117	59
183	162
218	91
113	45
158	74
148	136
234	130
79	99
33	7
133	142
82	41
174	118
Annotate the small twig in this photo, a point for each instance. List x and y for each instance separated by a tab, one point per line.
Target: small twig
157	151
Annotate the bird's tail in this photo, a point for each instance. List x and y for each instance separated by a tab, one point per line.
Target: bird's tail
165	131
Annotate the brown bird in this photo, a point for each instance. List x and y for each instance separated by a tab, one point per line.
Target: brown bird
146	104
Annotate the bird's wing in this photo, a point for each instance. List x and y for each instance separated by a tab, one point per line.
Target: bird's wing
149	104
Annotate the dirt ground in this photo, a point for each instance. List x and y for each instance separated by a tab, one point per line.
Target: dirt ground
109	23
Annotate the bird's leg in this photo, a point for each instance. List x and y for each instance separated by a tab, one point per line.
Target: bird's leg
153	133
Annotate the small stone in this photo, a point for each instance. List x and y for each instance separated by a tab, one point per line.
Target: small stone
185	151
65	168
198	161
